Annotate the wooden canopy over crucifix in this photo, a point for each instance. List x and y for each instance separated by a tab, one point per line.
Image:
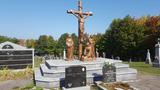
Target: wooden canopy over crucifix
81	16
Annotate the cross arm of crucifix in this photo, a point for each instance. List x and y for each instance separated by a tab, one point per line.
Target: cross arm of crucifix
79	14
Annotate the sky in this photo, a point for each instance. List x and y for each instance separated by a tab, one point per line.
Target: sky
28	19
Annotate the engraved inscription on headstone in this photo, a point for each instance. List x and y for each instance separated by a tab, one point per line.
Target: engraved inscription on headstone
109	73
75	76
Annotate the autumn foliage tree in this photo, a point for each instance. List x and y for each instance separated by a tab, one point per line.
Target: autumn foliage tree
130	37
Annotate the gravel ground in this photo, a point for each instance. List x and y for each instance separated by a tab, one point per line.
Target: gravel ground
147	82
10	84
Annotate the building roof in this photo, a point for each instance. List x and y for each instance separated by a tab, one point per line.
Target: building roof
10	45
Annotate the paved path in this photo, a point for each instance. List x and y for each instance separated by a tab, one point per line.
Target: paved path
147	82
144	82
10	84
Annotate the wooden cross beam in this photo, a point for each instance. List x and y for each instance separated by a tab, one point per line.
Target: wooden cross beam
81	16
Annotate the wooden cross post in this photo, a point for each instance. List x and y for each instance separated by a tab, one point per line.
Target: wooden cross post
81	16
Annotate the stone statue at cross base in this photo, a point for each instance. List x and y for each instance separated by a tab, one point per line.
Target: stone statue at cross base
89	51
69	48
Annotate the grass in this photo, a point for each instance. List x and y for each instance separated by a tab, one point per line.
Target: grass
144	68
94	87
38	61
7	74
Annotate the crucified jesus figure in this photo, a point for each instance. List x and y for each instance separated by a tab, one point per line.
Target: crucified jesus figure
81	16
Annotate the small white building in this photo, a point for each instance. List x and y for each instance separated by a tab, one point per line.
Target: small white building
14	56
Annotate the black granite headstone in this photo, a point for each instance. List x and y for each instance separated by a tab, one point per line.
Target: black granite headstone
15	59
75	76
109	73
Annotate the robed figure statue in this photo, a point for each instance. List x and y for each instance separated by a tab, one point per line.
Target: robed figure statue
89	51
69	48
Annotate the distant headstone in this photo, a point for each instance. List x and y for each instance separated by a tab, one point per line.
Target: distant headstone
130	60
112	57
104	55
46	57
117	58
109	73
75	76
156	62
97	53
148	57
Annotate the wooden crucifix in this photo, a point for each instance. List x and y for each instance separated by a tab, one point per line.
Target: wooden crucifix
81	16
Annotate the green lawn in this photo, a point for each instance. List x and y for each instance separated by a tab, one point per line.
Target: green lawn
144	68
7	74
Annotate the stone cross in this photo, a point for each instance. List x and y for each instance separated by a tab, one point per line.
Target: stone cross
81	16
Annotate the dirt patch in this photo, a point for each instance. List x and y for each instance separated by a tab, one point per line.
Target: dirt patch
113	86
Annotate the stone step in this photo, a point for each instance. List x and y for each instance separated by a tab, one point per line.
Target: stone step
48	82
126	75
59	72
90	72
46	72
126	71
121	65
78	88
62	64
51	73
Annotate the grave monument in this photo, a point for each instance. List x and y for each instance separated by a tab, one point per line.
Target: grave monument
78	74
156	62
14	56
148	57
109	73
75	76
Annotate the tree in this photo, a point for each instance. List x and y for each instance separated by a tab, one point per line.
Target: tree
46	45
31	43
153	32
123	38
62	42
4	39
